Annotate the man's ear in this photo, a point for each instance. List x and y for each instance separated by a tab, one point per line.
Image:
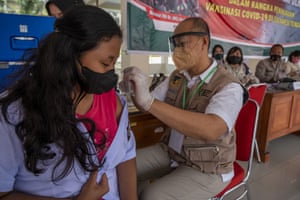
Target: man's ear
205	42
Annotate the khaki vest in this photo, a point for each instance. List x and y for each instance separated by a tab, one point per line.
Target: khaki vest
208	156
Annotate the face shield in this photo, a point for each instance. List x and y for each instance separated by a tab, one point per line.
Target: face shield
182	40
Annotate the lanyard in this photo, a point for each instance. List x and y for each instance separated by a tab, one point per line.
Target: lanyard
192	94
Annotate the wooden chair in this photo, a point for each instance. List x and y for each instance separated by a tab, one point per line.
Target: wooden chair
257	92
245	127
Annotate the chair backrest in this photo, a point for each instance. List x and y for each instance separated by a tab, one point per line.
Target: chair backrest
245	128
257	92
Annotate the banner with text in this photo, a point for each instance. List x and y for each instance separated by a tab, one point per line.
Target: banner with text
252	25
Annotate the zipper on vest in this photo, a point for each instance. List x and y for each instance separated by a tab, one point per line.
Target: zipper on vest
202	147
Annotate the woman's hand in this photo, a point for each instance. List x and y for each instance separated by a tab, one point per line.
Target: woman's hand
92	190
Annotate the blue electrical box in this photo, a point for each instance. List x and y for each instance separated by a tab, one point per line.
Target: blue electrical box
20	33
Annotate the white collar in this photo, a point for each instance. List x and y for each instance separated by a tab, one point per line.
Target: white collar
202	75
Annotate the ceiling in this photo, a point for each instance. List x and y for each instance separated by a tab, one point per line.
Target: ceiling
110	4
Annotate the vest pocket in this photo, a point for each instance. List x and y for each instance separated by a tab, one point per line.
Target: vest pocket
198	105
202	153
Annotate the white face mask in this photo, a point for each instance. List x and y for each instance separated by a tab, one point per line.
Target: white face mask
298	63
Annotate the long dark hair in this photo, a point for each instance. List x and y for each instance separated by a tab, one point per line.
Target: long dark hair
63	5
45	90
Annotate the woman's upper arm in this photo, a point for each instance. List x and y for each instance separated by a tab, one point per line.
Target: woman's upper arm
11	156
127	179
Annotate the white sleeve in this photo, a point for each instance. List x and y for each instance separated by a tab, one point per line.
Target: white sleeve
11	156
127	143
227	104
160	91
131	148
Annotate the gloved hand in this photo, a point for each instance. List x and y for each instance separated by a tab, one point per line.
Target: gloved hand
140	85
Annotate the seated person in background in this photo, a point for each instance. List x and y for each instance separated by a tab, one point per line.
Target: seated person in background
272	69
57	8
235	64
200	102
293	64
218	54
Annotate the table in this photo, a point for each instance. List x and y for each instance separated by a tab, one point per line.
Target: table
279	116
147	129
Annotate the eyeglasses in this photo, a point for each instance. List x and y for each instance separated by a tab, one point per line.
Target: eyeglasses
181	39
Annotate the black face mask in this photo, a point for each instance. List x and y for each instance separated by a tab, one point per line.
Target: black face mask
98	83
219	56
275	57
234	60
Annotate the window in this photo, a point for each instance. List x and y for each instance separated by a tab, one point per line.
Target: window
155	59
30	7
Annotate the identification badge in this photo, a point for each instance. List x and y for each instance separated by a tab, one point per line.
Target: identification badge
176	141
